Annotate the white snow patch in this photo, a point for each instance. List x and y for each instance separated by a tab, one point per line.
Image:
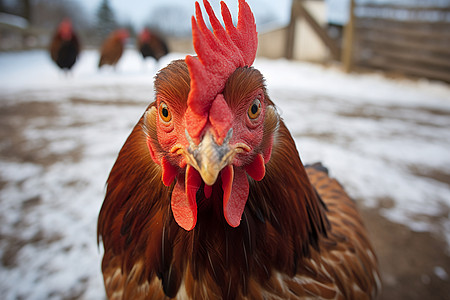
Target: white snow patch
441	273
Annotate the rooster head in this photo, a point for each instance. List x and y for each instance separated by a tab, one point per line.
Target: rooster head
65	29
220	135
145	35
121	35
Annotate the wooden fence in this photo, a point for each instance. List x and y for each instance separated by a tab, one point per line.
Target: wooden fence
403	39
299	10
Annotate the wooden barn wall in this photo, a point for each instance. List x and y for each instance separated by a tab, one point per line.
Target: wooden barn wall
408	40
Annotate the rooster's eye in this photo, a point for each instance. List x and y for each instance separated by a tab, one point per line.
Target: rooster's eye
164	112
255	109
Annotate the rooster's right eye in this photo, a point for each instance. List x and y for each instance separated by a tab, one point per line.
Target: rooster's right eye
164	112
255	109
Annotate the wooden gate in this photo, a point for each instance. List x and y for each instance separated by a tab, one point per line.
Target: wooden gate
412	40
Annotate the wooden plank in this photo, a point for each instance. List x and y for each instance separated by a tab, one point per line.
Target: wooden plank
403	12
406	7
349	32
290	33
415	58
406	23
408	69
418	33
412	40
406	45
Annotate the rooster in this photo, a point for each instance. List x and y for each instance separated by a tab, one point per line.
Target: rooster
151	45
65	47
208	198
112	48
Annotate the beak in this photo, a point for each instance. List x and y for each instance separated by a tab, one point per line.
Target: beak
209	158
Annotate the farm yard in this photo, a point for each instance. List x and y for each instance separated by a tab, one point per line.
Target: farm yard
386	140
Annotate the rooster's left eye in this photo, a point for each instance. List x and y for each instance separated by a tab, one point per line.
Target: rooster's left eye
164	112
255	109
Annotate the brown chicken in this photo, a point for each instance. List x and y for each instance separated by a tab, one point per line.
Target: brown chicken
112	48
208	198
65	46
151	45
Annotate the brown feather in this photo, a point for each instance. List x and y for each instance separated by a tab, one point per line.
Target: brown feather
111	50
300	234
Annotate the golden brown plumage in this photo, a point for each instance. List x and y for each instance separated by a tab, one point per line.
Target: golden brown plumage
112	48
300	235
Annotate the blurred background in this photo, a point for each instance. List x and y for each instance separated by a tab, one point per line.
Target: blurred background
403	36
363	86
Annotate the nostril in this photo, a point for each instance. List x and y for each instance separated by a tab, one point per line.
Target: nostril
228	137
189	139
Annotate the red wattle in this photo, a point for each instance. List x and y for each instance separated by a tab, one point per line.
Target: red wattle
235	193
183	203
169	172
256	169
227	183
193	182
208	191
183	214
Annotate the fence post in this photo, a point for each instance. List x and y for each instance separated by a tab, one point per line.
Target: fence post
290	35
349	32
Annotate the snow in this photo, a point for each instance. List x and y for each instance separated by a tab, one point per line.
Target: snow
382	138
441	273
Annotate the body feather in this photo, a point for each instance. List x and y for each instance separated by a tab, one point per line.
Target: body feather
112	48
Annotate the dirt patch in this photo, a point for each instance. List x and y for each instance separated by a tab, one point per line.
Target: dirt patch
404	114
414	265
117	102
435	174
15	144
14	244
13	119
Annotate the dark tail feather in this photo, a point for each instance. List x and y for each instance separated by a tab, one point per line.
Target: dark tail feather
318	166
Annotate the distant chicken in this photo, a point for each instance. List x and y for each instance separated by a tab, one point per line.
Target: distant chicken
151	45
112	48
208	198
65	47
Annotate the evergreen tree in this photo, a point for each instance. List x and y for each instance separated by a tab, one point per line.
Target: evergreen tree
106	21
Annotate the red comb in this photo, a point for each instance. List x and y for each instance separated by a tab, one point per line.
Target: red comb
219	53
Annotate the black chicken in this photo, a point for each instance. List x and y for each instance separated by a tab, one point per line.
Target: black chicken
65	46
151	45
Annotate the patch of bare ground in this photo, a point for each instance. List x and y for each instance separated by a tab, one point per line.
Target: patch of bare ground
16	146
413	265
435	174
14	244
117	102
400	113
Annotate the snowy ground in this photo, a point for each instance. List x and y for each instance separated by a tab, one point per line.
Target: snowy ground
387	141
